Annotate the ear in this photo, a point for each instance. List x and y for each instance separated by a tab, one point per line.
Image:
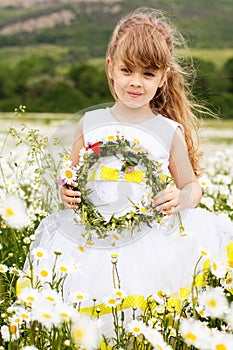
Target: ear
164	77
109	67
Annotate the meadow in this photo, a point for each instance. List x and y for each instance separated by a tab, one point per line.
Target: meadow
36	316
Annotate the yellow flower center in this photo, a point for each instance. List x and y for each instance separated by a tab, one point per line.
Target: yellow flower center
13	329
50	298
47	316
63	269
79	297
119	293
229	280
136	329
9	212
191	336
30	298
203	252
68	174
112	301
212	303
24	316
214	266
160	294
44	273
115	237
82	249
221	347
64	315
39	254
79	335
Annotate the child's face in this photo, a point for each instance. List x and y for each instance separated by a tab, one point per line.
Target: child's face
135	87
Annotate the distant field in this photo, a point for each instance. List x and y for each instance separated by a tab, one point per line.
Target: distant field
12	55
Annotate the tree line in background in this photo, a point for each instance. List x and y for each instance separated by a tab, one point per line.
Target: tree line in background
36	83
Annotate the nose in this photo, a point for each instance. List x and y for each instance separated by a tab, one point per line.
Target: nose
136	80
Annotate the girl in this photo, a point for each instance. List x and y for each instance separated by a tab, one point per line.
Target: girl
151	106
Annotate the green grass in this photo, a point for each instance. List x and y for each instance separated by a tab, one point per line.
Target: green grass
218	57
13	55
219	123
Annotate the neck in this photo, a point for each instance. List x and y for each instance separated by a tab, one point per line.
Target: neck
126	114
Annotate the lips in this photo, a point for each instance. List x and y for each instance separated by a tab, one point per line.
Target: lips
134	94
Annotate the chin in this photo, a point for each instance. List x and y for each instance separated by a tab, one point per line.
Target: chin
133	105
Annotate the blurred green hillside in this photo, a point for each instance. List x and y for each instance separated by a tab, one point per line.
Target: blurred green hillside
205	24
51	51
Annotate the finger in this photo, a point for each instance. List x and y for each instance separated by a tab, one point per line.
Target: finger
71	193
167	205
173	210
164	197
68	199
71	205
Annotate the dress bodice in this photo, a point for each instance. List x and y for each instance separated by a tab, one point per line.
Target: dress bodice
155	134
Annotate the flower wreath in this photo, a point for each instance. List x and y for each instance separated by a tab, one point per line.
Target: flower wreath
132	154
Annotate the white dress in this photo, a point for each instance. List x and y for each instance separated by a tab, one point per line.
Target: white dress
156	259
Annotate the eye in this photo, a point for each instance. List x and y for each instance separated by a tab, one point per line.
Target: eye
125	70
149	74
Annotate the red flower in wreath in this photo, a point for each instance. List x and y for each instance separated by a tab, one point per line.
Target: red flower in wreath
95	147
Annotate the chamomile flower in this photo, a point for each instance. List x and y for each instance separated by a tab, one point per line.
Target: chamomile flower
207	201
221	341
84	332
136	327
119	293
39	253
161	297
23	314
51	295
218	266
214	302
205	181
78	296
10	332
154	323
193	332
68	175
156	339
65	311
67	266
30	347
3	268
111	301
13	211
46	314
43	272
29	295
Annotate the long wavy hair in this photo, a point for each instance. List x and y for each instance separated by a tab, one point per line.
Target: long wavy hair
146	39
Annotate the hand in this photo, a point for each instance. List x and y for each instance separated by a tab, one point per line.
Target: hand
170	200
69	196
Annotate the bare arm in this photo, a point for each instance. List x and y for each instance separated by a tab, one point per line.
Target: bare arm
70	197
187	192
